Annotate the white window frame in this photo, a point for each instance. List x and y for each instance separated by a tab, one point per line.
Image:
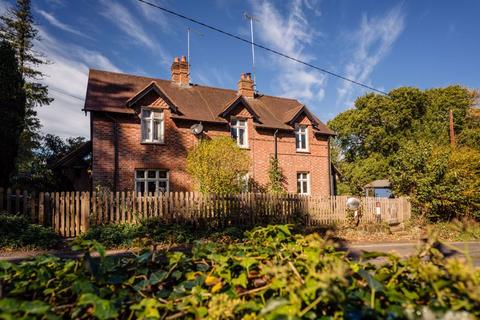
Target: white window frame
299	133
301	180
236	127
157	179
156	115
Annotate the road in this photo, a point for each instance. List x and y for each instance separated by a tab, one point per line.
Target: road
402	249
407	249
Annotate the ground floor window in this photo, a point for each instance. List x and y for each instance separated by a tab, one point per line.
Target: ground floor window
303	183
151	180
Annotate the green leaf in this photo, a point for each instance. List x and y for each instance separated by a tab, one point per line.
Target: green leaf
241	280
158	276
372	282
102	309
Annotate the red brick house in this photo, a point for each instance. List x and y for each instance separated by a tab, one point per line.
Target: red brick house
141	131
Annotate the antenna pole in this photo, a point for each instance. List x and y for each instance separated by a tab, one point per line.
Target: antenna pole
253	52
188	46
251	18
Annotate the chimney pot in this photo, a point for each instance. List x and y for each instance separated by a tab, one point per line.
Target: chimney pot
180	71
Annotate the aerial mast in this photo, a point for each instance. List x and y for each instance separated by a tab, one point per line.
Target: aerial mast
252	18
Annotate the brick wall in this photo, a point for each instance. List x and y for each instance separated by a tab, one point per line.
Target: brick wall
171	155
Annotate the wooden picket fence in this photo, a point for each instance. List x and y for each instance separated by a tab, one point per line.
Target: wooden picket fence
71	213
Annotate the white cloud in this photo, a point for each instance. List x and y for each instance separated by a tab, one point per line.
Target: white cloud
372	42
55	22
291	34
121	17
153	15
67	79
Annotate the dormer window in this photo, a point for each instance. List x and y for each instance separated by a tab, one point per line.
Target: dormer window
152	126
301	138
238	129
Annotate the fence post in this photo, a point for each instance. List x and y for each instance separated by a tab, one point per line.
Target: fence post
41	209
33	211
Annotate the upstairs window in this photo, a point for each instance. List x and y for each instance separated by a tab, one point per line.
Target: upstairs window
303	183
301	138
151	181
238	128
152	126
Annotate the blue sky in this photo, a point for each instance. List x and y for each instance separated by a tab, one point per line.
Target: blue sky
385	44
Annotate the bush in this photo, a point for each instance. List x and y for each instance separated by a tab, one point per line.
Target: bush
155	230
218	166
272	274
119	235
18	233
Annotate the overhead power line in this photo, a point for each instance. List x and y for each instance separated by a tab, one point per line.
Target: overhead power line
65	93
261	46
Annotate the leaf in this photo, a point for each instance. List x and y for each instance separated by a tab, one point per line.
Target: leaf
372	282
157	277
102	308
241	280
35	307
217	287
272	305
147	309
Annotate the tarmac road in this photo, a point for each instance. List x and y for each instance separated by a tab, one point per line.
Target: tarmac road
406	249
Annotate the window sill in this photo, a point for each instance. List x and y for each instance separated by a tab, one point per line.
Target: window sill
244	148
303	151
153	143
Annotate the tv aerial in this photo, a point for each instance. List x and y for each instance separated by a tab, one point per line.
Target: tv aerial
197	128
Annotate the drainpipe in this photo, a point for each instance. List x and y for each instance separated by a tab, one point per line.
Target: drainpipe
329	168
115	152
275	154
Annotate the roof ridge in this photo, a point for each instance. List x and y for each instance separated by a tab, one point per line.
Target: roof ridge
192	84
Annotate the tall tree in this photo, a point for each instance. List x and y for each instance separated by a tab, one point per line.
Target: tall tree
18	28
12	110
404	137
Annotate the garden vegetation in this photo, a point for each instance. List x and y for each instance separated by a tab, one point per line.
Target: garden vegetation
272	274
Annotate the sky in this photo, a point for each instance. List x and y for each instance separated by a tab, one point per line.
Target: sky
384	44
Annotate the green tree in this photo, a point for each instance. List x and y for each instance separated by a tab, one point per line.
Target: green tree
275	176
404	137
40	176
18	28
12	110
218	165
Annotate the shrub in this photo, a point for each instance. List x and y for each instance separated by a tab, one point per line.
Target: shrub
114	235
218	165
18	233
272	274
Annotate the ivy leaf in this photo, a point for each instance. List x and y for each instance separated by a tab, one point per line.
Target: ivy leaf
241	280
157	277
373	283
102	308
147	309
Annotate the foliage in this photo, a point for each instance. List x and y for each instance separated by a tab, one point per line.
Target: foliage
39	174
404	137
18	233
218	166
17	27
271	275
276	177
155	231
12	110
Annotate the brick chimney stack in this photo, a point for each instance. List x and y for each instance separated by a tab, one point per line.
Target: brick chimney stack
245	86
180	71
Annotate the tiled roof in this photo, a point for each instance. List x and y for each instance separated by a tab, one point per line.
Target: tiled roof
109	92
